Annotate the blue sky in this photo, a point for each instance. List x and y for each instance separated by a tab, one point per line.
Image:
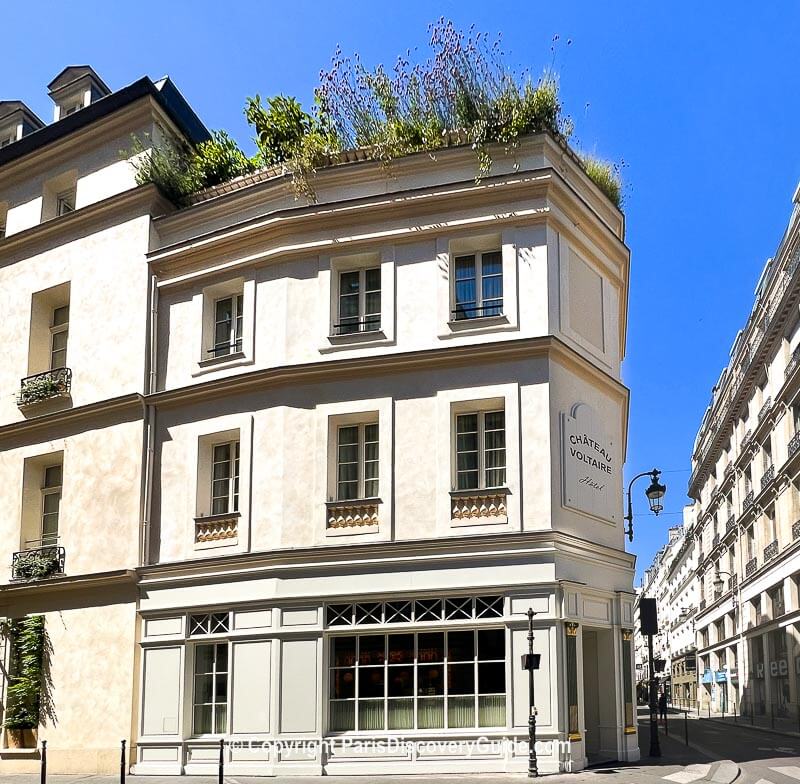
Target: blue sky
698	99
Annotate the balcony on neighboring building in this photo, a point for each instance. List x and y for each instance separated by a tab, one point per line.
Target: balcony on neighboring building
734	581
793	363
50	385
796	530
771	550
38	563
768	476
794	443
715	541
750	567
748	501
731	524
765	409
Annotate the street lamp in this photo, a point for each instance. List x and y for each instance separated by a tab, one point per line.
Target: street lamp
654	495
719	583
530	662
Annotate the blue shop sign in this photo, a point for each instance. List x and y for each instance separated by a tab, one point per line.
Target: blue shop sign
708	676
721	676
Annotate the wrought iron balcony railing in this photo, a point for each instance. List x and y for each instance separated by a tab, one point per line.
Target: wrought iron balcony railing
731	524
353	325
794	361
768	476
796	530
734	581
794	443
765	409
750	567
38	563
771	550
44	386
715	541
748	501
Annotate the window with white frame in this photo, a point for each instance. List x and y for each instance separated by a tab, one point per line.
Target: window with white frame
228	322
65	202
59	331
210	700
357	461
424	680
225	478
51	504
480	450
477	285
359	301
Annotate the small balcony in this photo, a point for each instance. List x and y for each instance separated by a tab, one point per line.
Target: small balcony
768	476
794	444
353	514
750	567
793	363
765	409
731	524
50	385
734	581
216	530
796	530
357	326
771	550
748	501
715	541
38	563
472	505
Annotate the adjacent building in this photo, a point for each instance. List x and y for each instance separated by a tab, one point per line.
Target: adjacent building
290	475
745	482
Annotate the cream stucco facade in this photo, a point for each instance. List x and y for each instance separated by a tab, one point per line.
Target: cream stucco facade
321	462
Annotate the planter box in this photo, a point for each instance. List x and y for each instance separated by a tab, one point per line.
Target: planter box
21	739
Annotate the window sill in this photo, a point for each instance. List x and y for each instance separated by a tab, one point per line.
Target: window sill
357	339
478	507
477	326
235	359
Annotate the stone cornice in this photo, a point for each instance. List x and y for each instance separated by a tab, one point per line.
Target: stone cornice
145	199
26	428
299	230
547	545
16	592
384	364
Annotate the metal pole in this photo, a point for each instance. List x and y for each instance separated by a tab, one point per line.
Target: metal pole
122	763
655	748
43	770
533	764
221	760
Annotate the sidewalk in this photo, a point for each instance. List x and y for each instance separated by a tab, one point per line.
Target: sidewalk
679	764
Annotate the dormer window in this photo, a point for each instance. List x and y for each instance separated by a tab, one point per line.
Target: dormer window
8	138
76	87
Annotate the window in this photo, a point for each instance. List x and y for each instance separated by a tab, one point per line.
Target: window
357	462
228	318
766	455
480	450
427	680
225	478
478	285
51	504
8	139
65	202
359	301
59	329
208	623
210	709
776	600
796	418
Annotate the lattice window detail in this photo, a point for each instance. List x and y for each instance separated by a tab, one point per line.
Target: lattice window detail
369	613
458	609
399	612
209	623
340	615
489	607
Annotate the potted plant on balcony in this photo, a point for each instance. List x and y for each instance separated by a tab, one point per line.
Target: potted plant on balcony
36	564
26	682
42	387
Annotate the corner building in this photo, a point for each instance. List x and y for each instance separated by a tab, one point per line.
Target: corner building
374	430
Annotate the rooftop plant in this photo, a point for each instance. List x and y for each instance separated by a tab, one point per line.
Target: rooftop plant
463	93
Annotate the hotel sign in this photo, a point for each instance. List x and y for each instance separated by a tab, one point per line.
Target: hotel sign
590	465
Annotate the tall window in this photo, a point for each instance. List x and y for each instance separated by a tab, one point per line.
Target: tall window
210	709
65	202
751	542
359	301
796	418
478	290
748	480
766	454
429	680
776	600
59	330
227	326
51	504
357	462
480	450
225	478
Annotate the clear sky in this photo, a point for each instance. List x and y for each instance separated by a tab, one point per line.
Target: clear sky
700	101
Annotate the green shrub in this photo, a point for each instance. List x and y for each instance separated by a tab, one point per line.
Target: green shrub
27	682
606	176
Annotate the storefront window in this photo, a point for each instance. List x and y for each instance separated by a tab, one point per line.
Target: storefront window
429	680
210	689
